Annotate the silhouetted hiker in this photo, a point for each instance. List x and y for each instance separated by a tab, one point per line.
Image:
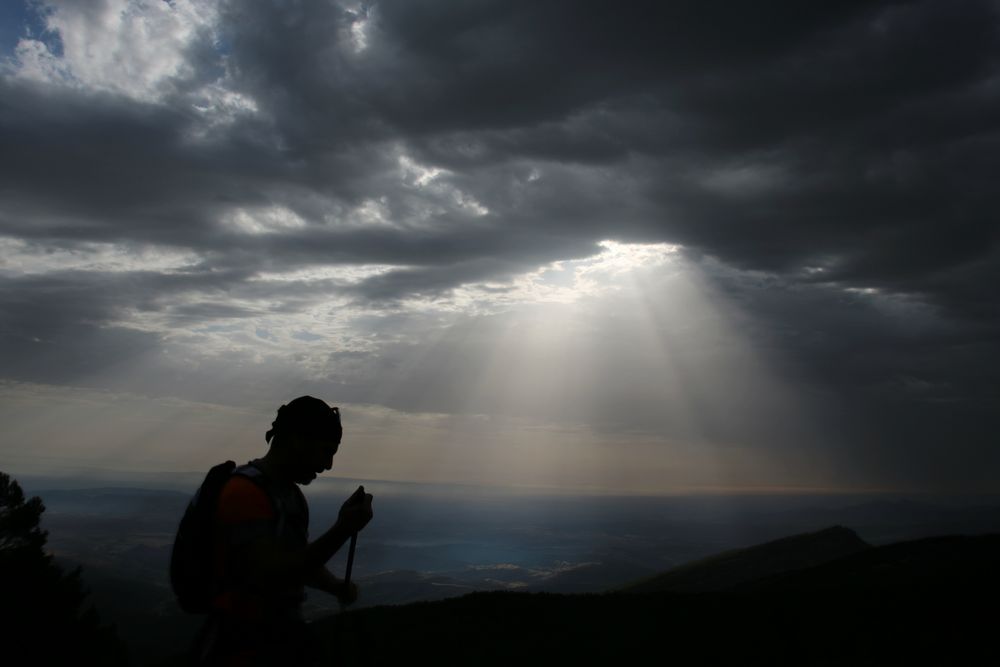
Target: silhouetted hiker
263	557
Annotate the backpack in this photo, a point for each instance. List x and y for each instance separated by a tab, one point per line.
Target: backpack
191	566
192	561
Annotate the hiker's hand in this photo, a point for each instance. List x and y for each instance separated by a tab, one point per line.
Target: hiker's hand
356	512
347	594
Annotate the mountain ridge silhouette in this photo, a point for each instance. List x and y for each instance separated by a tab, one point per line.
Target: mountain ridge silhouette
908	602
731	568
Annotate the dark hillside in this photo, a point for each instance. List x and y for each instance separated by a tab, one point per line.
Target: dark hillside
146	616
938	607
907	627
739	566
957	562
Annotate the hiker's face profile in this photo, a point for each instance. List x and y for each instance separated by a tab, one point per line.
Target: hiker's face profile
312	456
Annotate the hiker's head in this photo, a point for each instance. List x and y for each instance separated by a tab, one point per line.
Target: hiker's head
306	434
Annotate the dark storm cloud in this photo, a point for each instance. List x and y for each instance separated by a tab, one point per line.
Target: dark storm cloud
830	146
864	121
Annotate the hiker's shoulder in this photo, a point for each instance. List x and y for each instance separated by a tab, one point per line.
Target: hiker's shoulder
242	499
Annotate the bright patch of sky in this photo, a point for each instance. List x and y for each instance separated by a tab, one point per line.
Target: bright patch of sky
340	274
129	48
263	220
434	182
311	321
138	49
568	281
22	258
17	19
360	27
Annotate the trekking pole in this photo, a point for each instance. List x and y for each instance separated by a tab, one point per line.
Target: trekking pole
350	560
355	622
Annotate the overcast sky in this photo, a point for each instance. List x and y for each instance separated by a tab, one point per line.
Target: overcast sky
637	247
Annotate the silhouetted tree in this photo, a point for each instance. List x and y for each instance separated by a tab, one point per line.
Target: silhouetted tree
42	614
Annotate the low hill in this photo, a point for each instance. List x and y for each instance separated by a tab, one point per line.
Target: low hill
959	562
740	566
936	607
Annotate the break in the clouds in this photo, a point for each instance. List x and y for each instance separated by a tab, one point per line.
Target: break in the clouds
743	244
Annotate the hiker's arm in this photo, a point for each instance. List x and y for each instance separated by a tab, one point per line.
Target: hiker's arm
274	563
354	515
326	545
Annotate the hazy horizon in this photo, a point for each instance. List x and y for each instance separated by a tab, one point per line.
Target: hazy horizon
433	541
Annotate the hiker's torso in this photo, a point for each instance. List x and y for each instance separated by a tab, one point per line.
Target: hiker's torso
253	506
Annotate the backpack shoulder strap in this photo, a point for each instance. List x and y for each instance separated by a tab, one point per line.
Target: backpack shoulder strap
254	474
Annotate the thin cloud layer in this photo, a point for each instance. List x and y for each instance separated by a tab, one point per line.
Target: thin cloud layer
357	195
